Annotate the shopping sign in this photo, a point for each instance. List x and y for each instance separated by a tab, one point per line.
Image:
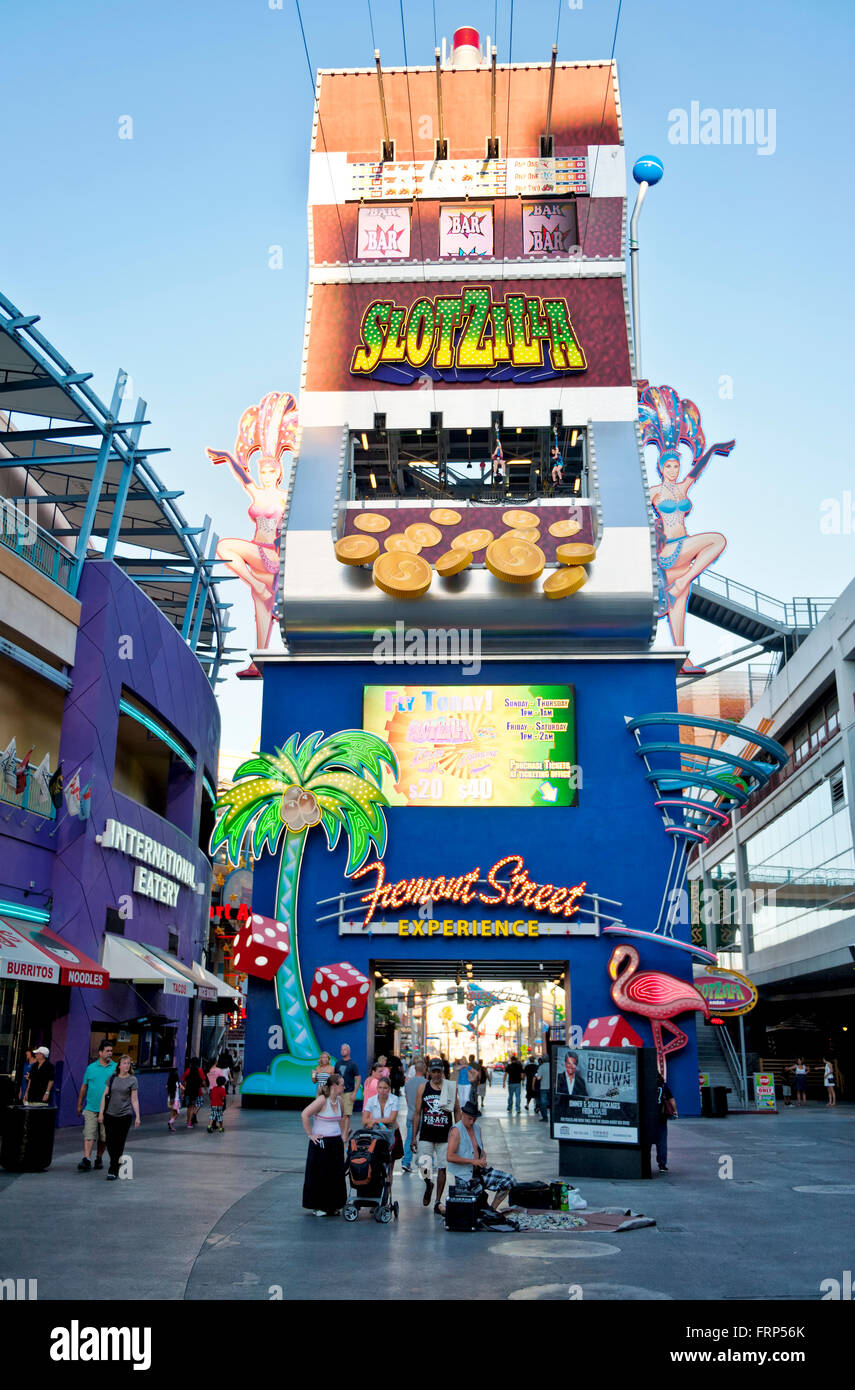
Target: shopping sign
764	1090
469	333
726	991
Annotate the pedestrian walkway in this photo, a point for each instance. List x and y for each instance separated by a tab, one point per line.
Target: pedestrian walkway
219	1216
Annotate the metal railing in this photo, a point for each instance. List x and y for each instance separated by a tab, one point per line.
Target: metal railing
31	799
24	537
800	613
734	1065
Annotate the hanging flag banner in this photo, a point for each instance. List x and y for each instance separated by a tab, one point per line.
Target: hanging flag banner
384	234
466	232
549	229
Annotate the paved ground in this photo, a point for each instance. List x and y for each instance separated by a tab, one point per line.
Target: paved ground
209	1216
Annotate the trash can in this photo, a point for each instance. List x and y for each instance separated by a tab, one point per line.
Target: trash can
707	1102
719	1101
27	1143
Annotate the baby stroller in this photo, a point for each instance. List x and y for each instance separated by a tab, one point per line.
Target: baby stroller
369	1174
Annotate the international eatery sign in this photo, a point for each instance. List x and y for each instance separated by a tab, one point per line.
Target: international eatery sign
162	871
468	336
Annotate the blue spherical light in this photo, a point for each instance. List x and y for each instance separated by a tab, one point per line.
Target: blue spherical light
648	169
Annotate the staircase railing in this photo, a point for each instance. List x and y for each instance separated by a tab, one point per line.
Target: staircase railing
734	1065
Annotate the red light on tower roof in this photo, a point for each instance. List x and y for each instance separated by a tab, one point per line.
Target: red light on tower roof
466	48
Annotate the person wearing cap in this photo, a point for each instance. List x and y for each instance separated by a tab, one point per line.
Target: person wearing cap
467	1159
432	1118
41	1079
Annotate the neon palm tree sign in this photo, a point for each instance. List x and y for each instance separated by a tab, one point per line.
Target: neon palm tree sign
275	801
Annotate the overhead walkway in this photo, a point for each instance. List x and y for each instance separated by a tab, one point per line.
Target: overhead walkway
754	616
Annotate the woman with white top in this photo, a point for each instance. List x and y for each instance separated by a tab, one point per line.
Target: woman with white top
324	1190
380	1111
800	1072
829	1081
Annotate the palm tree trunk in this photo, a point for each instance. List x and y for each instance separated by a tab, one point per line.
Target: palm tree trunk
290	998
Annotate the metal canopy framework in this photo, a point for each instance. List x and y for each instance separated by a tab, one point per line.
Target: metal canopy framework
96	494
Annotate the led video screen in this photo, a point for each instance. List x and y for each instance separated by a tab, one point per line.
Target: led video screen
485	745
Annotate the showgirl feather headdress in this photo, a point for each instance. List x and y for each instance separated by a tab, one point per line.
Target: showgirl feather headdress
269	428
667	422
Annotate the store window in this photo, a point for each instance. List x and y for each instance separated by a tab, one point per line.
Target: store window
149	1043
821	724
802	867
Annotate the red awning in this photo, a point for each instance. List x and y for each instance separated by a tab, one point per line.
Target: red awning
31	952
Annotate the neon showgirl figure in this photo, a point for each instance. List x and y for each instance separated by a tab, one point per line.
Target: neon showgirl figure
268	430
667	422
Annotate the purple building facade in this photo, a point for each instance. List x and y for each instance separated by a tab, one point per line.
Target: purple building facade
140	722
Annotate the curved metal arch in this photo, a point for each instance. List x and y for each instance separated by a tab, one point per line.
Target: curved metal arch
761	771
117	441
721	726
670	778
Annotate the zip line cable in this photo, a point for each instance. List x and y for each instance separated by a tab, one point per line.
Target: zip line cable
583	232
417	205
345	248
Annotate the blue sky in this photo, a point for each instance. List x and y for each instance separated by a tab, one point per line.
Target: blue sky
152	253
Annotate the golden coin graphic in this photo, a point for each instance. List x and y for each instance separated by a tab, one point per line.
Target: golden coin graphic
372	521
357	550
576	554
519	520
560	583
565	528
444	516
472	540
398	541
518	562
423	533
531	536
452	562
407	575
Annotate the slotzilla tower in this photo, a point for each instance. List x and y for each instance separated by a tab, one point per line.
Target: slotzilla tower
467	565
467	290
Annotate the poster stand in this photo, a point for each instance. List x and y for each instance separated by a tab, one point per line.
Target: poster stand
606	1131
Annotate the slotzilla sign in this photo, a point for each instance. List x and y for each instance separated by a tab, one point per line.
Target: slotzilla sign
727	992
468	337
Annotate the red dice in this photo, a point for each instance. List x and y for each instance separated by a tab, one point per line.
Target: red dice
261	946
610	1032
339	993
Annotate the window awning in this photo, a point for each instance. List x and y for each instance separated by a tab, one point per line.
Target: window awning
32	952
206	979
131	960
201	985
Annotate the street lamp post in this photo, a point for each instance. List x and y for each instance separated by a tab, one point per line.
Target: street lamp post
646	171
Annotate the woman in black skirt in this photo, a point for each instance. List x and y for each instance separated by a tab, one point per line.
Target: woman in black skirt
324	1190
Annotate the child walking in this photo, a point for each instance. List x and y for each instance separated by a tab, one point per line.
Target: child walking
217	1098
173	1098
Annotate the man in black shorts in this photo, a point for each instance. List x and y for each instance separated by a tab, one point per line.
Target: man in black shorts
432	1122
